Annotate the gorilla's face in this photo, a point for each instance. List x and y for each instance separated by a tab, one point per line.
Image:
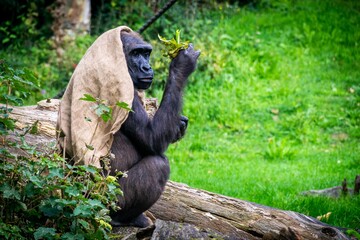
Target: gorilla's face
137	54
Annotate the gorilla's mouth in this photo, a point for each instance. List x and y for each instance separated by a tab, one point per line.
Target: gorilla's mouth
146	80
145	83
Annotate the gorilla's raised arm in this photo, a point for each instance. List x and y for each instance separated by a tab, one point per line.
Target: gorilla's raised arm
167	126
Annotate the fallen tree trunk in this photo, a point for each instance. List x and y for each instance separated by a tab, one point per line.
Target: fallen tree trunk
237	218
226	217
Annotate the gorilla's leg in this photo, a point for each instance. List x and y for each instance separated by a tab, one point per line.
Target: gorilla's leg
142	188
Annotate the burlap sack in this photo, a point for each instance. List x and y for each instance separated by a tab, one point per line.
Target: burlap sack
102	73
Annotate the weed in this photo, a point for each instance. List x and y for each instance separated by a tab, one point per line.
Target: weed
278	150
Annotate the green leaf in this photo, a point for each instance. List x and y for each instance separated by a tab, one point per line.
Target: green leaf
29	190
23	81
8	123
111	187
84	223
89	147
36	181
9	192
104	213
65	202
5	40
34	128
110	179
31	77
95	203
88	119
13	99
72	236
51	209
56	172
124	105
88	97
102	109
83	211
44	233
72	191
22	205
99	234
90	169
106	117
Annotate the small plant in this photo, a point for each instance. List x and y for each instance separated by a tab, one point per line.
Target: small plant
102	110
53	201
174	45
277	150
41	195
14	86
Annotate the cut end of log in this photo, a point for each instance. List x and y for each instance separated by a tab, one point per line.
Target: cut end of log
49	104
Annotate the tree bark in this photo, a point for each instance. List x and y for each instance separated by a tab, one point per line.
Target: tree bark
71	18
231	218
237	218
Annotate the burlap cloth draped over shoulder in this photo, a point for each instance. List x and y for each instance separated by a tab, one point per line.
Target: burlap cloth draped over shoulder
102	73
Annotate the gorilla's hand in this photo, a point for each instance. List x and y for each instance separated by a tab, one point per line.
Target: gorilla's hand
185	62
183	123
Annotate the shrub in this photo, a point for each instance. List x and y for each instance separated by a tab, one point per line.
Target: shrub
41	195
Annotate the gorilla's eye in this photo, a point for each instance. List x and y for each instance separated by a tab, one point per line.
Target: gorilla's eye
147	55
135	52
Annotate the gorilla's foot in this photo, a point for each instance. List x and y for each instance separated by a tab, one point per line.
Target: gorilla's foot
140	221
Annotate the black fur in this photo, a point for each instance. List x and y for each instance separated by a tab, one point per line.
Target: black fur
140	144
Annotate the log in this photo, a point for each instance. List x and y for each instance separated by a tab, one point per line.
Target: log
182	208
237	218
337	191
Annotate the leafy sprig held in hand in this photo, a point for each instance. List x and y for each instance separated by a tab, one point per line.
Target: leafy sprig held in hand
174	45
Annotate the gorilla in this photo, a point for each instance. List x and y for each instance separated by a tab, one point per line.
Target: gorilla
140	143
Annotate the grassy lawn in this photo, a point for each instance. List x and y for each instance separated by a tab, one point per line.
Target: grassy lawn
274	107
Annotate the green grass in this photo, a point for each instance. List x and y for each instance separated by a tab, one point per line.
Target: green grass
274	107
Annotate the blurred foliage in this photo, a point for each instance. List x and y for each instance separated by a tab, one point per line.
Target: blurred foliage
22	23
15	84
25	32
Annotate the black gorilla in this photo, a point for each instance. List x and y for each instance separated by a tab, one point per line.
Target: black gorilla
140	144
